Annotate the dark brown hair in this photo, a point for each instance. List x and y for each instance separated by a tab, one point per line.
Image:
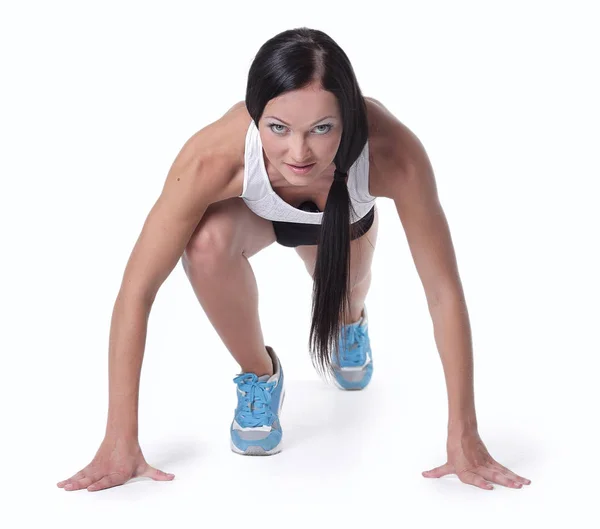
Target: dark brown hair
289	61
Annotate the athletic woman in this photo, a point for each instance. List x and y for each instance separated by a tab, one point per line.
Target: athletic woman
301	162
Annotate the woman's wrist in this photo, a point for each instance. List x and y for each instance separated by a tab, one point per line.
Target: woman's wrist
462	426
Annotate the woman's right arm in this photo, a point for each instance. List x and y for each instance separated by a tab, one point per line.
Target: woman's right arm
194	182
199	176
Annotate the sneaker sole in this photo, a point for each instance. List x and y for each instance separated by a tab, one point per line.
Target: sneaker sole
259	450
256	450
339	386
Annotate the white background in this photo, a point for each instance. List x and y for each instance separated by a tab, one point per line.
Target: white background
97	99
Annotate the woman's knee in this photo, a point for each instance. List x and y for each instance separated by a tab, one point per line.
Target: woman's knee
212	240
227	230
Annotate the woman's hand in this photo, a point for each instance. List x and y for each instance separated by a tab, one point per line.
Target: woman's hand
115	463
469	459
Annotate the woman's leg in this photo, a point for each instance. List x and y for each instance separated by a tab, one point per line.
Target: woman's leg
361	257
216	263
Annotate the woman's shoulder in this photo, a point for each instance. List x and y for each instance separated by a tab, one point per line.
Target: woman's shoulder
221	146
389	148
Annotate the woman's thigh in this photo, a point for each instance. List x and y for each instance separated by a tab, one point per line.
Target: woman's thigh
361	254
229	227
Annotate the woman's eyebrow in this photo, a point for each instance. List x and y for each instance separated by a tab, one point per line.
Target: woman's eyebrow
275	117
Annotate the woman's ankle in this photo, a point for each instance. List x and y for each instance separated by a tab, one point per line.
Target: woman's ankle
261	367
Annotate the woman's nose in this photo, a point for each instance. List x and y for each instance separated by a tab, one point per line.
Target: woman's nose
300	154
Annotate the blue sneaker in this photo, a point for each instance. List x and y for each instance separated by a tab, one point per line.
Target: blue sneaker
255	429
354	368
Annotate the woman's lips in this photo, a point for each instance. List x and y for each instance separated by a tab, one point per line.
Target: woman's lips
301	170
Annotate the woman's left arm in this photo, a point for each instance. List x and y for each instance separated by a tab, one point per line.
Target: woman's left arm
410	182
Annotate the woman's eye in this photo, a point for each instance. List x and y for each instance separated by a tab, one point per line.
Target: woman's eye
325	131
275	125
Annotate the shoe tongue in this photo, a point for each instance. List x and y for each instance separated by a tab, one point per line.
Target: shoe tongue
264	378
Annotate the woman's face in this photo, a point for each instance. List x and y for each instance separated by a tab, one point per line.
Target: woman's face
299	128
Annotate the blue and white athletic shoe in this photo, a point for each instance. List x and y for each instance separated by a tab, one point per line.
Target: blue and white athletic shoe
256	430
354	368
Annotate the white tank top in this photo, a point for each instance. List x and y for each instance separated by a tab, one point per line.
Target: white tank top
260	197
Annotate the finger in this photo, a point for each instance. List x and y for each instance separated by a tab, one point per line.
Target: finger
511	474
111	480
80	483
467	476
79	474
496	475
87	476
157	475
73	483
438	472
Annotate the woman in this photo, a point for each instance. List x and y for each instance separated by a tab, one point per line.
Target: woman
301	161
